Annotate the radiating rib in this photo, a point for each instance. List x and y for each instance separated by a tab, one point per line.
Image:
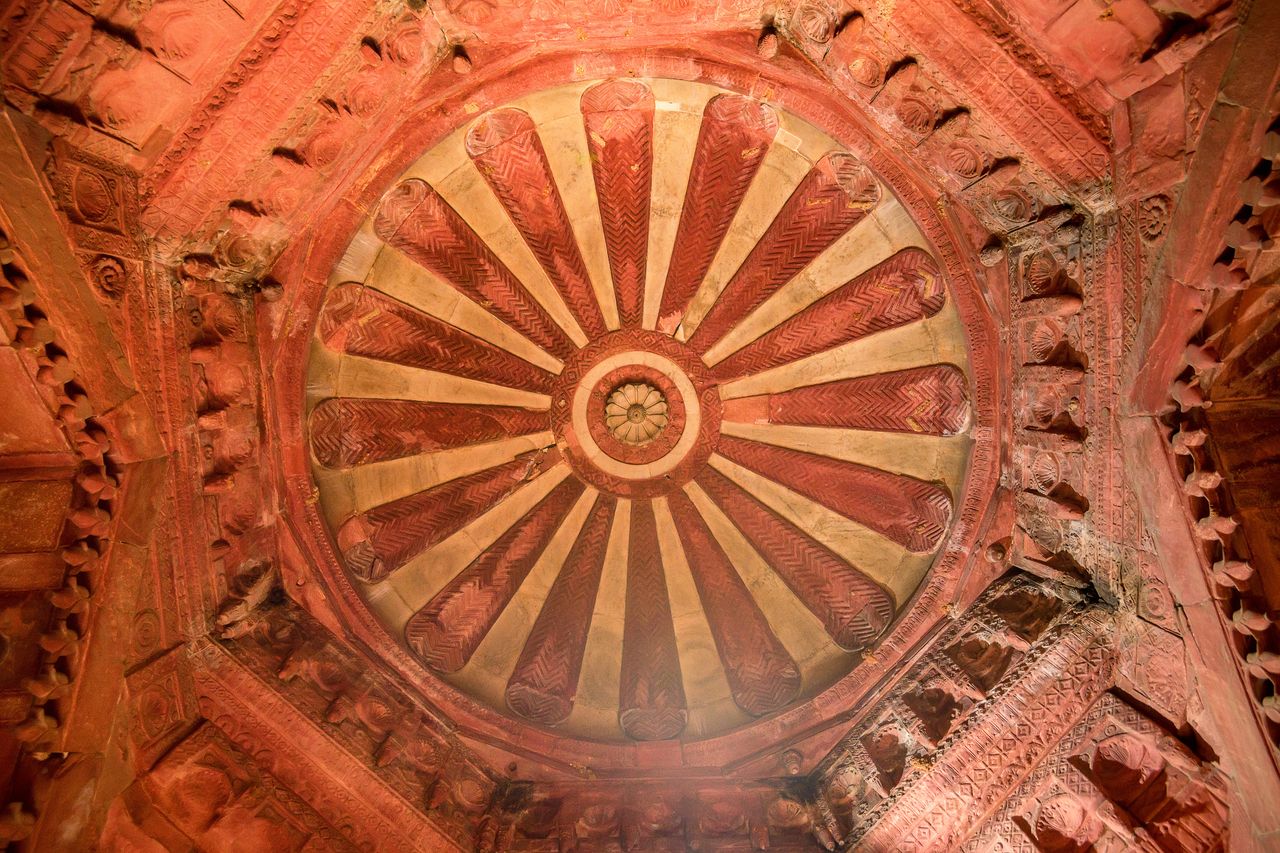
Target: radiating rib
762	675
854	610
545	680
416	220
508	152
903	289
377	542
618	115
651	700
911	512
831	199
931	400
446	632
347	432
734	137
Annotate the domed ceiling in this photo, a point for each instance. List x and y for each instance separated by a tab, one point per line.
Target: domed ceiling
639	409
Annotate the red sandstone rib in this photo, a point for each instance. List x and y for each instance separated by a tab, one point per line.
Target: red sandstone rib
651	701
911	512
762	675
381	540
905	288
506	148
545	681
447	632
367	323
928	400
734	137
416	220
618	115
833	197
854	610
346	432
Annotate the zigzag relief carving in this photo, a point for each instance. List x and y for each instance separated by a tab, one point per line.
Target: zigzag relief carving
618	116
854	610
735	135
762	675
348	432
676	653
377	542
545	679
651	701
911	512
446	632
506	149
416	220
833	197
364	322
929	400
905	288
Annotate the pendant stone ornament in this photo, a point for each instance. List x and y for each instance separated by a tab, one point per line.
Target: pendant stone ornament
636	413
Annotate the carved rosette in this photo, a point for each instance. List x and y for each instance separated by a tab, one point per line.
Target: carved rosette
630	466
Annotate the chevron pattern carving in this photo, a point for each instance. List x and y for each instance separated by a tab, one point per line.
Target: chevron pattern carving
762	676
363	322
377	542
618	116
347	432
545	679
432	385
416	220
904	289
833	197
911	512
853	608
651	703
734	137
446	632
506	148
930	400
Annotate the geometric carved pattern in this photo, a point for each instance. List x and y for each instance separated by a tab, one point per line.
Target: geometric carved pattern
833	197
762	676
651	704
928	400
911	512
545	679
446	632
507	151
347	432
734	137
854	610
416	220
901	290
618	116
379	541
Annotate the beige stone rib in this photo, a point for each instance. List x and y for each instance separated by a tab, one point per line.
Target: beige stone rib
489	669
780	172
359	257
595	711
935	340
820	660
881	559
675	130
885	231
711	705
925	457
400	278
373	379
365	486
467	192
418	580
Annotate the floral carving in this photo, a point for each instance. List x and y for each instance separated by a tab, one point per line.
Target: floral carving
636	413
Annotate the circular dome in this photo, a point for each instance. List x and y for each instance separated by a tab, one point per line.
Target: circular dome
638	410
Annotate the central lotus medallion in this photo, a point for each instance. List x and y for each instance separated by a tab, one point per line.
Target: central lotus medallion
636	413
